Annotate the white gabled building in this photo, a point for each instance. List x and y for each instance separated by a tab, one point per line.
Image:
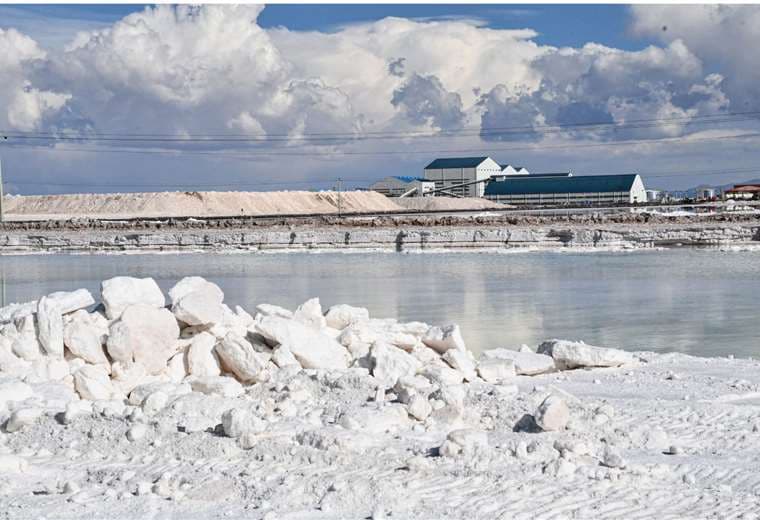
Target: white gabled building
398	185
453	172
508	169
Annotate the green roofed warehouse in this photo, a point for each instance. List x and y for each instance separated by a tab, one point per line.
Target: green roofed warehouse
560	190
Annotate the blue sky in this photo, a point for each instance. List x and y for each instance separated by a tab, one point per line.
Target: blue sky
557	25
449	72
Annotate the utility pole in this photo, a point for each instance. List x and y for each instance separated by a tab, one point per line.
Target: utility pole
2	194
340	197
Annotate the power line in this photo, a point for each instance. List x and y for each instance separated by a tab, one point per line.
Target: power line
728	117
332	181
337	153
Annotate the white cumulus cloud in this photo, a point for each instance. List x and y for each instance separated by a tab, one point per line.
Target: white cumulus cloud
185	70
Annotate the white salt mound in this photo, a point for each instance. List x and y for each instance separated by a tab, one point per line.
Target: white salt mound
195	204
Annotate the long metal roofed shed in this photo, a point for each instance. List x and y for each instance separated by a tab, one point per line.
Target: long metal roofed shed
586	189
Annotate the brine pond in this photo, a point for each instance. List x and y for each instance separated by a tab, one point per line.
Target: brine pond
696	301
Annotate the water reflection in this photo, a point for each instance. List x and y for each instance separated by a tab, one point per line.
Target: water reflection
695	301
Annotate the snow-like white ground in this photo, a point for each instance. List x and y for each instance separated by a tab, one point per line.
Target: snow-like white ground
655	436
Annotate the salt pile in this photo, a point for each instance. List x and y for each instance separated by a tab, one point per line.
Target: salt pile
136	338
146	404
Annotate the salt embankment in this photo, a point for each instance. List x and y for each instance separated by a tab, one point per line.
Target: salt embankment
139	405
403	238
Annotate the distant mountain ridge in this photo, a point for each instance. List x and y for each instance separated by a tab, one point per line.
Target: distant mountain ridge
692	192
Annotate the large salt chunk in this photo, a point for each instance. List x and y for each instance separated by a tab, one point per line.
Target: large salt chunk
172	391
525	363
442	375
462	361
237	422
201	358
50	327
419	407
127	376
464	441
122	291
48	369
196	301
390	363
176	367
22	418
85	334
571	354
92	382
70	301
310	313
495	370
283	357
146	335
341	316
25	344
444	338
267	309
239	357
552	414
67	301
311	348
10	363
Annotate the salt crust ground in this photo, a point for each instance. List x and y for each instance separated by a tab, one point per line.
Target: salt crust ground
662	436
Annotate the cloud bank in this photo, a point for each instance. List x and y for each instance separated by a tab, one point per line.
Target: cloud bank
213	71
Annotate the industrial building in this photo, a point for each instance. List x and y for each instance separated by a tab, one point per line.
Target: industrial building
400	186
484	177
743	192
462	176
654	195
567	190
706	194
502	176
508	169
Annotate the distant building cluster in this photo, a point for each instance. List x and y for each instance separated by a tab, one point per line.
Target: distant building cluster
484	177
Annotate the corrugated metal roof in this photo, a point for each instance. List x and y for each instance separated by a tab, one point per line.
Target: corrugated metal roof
530	185
455	162
557	174
408	178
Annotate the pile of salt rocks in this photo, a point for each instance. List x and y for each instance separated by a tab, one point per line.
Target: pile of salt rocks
134	338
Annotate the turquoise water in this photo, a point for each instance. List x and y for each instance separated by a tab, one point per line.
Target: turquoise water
703	302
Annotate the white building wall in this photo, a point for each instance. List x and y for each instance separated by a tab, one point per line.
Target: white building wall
450	177
638	193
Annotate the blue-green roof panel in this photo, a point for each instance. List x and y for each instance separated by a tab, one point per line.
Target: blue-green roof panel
408	178
455	162
528	185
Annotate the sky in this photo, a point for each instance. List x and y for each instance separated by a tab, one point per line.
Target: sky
128	97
